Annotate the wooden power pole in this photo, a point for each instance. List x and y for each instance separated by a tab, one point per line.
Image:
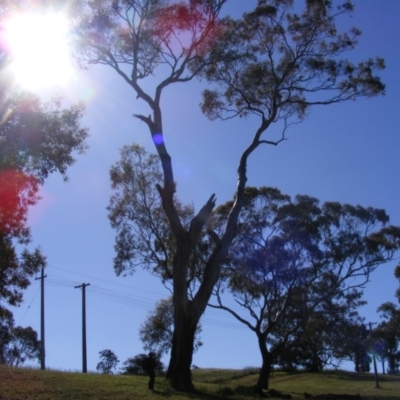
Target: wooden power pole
42	336
84	358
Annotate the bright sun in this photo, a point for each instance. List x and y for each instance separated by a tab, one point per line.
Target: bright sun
39	50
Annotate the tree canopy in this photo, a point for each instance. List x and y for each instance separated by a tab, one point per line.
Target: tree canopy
386	336
17	344
108	362
295	259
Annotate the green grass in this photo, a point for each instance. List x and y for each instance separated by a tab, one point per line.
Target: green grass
30	384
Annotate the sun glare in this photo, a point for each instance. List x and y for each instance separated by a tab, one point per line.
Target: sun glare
38	45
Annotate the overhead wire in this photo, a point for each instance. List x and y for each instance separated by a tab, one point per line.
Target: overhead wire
29	306
135	301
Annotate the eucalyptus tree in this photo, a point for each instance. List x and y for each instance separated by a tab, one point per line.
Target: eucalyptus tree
294	259
386	336
108	361
36	140
326	337
23	345
274	63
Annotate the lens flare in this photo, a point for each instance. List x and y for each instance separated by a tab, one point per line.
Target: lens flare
38	46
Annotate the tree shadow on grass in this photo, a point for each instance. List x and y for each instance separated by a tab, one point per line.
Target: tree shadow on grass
363	376
197	394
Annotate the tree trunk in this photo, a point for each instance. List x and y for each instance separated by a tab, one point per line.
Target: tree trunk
265	370
264	374
179	370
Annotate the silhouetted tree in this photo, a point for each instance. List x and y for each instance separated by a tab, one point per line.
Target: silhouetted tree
22	346
326	337
275	63
292	259
6	326
108	362
137	365
357	347
387	334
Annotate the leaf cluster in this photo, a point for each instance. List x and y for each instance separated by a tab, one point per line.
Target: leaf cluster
108	362
144	237
35	140
297	269
145	35
276	63
386	336
17	344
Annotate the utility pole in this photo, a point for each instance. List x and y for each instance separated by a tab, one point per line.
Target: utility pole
42	341
84	359
373	356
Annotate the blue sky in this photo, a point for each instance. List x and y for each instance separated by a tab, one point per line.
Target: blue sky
347	153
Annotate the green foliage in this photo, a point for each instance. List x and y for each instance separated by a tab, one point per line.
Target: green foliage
397	275
386	337
297	268
174	34
387	334
36	140
108	362
17	344
40	139
276	62
144	236
356	348
329	334
6	326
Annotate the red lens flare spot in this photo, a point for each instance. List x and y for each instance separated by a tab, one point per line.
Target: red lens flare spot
18	191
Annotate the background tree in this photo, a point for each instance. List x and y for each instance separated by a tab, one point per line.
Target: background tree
274	63
137	365
23	345
36	140
293	259
326	337
357	347
157	331
6	326
108	362
386	336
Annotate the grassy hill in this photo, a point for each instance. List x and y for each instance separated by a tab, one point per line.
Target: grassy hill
24	384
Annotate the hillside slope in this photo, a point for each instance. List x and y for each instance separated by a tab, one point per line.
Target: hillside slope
18	384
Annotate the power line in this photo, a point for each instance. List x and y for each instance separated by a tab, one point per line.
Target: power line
139	302
109	282
34	296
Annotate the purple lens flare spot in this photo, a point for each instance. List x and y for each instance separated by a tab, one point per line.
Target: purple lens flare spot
158	138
